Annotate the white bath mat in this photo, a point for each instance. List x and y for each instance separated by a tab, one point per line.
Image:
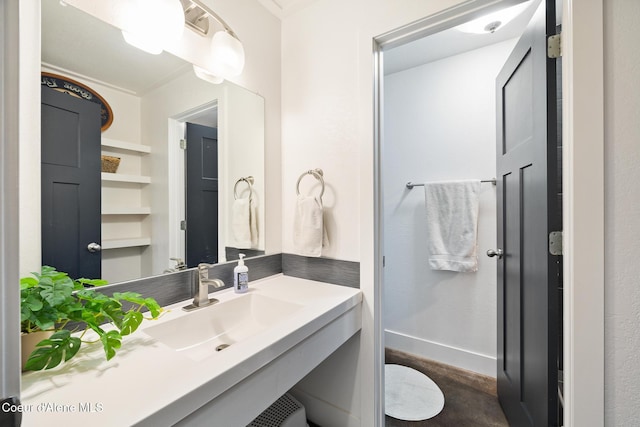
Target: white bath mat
410	395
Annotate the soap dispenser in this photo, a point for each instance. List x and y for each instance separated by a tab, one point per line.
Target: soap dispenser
241	277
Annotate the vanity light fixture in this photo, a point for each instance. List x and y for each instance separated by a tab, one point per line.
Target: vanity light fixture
492	22
227	52
150	25
227	55
207	76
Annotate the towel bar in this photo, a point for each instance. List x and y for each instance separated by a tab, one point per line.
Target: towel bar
317	173
249	180
410	184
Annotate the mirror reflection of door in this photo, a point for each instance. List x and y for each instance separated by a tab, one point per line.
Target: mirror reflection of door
71	199
201	194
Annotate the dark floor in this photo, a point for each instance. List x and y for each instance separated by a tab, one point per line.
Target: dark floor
469	398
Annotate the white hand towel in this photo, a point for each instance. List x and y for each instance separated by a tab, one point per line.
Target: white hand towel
253	223
241	223
308	226
452	224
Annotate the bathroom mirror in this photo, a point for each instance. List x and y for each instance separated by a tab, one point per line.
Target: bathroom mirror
153	97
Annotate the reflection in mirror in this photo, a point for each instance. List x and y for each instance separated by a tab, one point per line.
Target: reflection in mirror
145	219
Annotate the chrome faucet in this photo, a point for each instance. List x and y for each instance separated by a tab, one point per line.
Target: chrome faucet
201	298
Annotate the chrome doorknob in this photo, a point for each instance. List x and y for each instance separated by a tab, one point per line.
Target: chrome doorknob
94	247
494	252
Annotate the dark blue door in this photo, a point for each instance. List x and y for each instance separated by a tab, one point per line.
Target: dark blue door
71	186
527	212
202	195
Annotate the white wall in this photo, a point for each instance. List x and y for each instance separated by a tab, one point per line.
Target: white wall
439	124
244	122
327	122
187	92
622	204
260	33
240	126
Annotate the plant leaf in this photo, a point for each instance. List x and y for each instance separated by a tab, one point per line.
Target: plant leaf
135	298
28	282
153	307
132	297
92	282
45	318
51	352
56	292
28	305
113	310
111	341
131	321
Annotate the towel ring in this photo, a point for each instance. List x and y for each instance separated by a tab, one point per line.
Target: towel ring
249	180
317	173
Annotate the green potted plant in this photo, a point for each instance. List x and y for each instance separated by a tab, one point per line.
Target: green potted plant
52	303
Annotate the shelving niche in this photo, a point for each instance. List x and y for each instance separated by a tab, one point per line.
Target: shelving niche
125	202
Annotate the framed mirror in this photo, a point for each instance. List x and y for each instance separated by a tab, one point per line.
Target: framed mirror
155	100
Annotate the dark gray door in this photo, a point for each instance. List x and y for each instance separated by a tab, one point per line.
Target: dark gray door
71	197
526	168
202	195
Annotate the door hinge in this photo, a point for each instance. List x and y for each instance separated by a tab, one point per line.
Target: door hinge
554	46
183	225
384	261
183	144
555	243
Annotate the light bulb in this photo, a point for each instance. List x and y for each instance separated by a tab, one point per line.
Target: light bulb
493	21
227	55
151	25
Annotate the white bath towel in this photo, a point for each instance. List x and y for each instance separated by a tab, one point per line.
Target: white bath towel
244	223
308	226
452	224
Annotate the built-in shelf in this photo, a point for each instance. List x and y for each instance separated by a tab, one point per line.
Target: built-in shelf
125	243
122	145
114	208
110	210
120	177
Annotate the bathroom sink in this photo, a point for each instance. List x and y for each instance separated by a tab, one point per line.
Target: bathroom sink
201	333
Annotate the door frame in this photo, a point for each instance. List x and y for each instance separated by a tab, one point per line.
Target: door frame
583	196
177	181
10	136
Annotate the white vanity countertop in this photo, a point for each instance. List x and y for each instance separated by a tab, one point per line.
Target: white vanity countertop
147	377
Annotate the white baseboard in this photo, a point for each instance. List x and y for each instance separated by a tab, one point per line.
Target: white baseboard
480	363
323	413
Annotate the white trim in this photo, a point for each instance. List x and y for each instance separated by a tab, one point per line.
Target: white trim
378	233
176	185
177	181
583	207
459	357
9	215
78	76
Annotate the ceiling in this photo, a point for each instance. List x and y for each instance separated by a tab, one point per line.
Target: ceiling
74	40
450	42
